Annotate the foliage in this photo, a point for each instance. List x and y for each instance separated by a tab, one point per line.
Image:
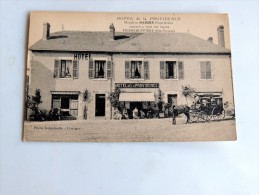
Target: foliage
159	100
33	101
85	95
114	98
187	91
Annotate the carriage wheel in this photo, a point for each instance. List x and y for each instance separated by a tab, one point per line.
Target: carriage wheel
202	116
194	116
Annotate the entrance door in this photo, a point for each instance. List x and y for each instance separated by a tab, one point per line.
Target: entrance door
99	104
172	98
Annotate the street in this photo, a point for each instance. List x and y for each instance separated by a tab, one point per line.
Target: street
140	130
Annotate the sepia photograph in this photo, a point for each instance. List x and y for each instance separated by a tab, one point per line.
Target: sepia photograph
128	77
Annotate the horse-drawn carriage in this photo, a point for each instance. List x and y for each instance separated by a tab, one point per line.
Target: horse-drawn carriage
206	113
200	111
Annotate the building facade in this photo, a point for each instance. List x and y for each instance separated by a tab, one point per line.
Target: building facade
65	65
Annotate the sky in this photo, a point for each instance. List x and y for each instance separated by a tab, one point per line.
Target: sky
201	25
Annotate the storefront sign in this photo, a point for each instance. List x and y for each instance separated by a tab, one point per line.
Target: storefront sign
81	56
137	85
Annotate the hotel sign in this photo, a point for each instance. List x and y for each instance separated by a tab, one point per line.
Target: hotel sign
137	85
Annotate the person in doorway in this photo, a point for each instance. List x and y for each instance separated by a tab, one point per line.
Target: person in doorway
135	113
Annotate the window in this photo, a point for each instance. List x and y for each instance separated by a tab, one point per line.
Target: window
66	69
99	70
205	67
135	70
171	70
68	104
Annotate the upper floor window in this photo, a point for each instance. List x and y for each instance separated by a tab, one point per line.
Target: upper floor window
171	70
100	69
66	69
136	70
205	68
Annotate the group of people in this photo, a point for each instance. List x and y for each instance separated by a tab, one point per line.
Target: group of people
133	114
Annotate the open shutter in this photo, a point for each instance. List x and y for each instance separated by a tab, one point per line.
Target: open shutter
75	69
109	69
91	69
162	70
146	70
56	68
127	69
208	70
180	70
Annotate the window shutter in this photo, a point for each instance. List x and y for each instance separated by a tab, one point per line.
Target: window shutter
208	70
56	68
180	70
162	70
203	70
127	69
146	70
109	69
91	69
75	69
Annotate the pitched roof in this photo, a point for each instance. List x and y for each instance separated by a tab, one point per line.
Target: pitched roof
127	42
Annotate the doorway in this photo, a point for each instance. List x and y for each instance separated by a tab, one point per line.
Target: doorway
172	98
99	104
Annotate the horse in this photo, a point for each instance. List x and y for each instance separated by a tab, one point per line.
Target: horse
181	109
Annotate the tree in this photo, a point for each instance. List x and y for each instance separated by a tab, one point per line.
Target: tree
34	100
187	91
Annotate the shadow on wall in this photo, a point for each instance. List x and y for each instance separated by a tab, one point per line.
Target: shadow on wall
42	78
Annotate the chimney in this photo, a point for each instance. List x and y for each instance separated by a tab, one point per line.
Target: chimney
221	38
210	39
46	30
112	32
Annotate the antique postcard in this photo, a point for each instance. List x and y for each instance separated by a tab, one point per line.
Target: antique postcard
128	77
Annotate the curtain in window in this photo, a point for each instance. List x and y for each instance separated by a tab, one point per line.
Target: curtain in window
99	69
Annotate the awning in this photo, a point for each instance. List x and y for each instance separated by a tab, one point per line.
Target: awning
65	92
137	97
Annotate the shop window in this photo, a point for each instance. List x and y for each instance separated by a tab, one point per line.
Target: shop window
171	70
68	104
100	69
135	70
205	67
66	69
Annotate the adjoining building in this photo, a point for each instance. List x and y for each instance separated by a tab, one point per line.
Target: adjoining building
63	65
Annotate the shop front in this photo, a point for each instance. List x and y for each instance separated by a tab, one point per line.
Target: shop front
138	100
